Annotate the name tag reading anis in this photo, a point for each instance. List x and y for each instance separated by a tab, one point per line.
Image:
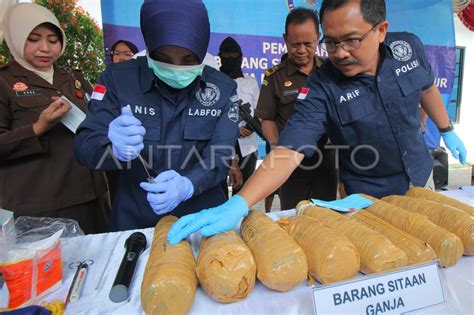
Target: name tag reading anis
395	292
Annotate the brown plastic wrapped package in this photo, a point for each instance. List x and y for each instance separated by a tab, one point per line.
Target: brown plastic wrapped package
427	194
226	268
281	262
417	250
447	246
377	253
169	282
331	255
450	218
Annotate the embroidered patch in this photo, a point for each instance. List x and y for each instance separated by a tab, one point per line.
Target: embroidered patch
210	95
234	98
30	92
401	50
20	87
303	93
289	92
272	70
99	92
233	113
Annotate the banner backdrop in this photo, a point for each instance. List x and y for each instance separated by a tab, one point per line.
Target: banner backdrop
258	26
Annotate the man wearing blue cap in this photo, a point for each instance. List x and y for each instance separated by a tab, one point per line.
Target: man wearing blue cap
168	109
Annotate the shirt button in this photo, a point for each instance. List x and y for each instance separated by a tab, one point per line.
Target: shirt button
404	153
379	79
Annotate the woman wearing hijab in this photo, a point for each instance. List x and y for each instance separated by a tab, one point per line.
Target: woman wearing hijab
166	114
122	50
38	172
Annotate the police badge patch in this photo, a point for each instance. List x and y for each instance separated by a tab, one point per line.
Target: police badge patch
401	50
233	113
209	96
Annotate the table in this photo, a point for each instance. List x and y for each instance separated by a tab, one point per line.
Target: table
459	281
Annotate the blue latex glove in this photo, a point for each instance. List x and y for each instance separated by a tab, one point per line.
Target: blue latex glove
455	145
168	191
126	134
210	221
348	204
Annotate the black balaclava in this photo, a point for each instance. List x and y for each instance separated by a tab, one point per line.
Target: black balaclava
231	65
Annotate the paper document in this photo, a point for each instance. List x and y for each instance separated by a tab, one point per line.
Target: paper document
248	144
74	117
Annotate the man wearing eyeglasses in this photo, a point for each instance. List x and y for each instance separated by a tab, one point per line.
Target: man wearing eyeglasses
365	98
316	178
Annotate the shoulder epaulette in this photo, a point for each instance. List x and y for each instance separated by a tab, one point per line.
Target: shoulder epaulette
272	70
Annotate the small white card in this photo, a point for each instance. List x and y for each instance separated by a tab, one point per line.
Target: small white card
396	292
74	117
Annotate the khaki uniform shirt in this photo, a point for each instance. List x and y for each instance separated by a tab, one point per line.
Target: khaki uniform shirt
279	92
39	174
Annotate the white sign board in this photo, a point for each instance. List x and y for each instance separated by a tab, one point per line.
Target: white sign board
394	292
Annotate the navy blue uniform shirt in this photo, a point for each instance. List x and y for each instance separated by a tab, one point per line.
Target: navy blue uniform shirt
192	131
374	120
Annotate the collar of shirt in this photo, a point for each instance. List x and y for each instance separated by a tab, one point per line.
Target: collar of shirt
60	76
292	68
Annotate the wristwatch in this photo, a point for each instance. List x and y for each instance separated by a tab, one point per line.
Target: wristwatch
447	129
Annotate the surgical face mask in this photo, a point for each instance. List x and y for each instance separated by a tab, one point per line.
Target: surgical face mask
177	77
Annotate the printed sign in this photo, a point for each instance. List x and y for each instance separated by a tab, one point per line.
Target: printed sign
395	292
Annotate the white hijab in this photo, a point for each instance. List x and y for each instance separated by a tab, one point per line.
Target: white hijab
20	20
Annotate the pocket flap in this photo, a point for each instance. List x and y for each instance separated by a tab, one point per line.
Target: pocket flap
352	107
410	81
199	129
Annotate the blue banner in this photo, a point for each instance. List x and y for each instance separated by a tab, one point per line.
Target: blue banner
258	26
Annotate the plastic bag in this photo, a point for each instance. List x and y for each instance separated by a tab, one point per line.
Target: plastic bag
32	266
35	228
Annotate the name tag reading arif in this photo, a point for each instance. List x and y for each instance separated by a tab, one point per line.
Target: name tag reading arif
394	292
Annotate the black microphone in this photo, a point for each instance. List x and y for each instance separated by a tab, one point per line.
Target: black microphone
135	244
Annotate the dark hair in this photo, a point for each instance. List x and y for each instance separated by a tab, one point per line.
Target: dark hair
130	46
373	11
301	15
55	29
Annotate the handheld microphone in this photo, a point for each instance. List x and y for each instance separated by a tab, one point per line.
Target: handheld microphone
135	244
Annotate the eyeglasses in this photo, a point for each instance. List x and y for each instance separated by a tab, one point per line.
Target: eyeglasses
347	44
121	53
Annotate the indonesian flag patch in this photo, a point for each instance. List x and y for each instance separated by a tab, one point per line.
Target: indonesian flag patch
303	93
99	92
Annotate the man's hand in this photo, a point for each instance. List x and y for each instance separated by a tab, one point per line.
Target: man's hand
455	145
245	132
210	221
235	175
